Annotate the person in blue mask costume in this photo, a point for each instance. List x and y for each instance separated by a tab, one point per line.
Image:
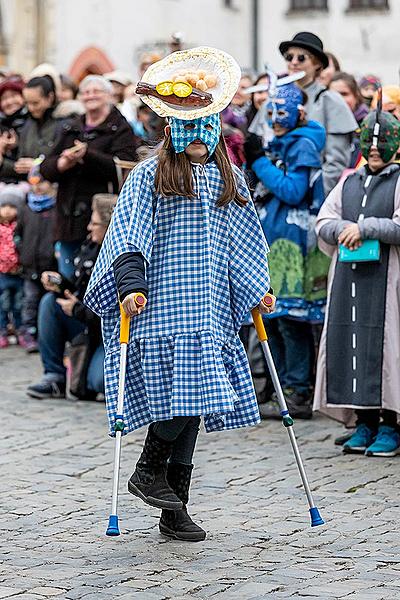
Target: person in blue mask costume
186	235
288	195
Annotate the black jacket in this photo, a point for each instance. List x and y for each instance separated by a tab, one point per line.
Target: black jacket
130	274
15	122
34	138
34	240
96	174
84	261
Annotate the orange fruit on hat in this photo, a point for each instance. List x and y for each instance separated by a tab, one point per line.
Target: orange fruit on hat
165	88
182	89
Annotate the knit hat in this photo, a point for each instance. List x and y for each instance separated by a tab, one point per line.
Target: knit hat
11	198
15	84
370	80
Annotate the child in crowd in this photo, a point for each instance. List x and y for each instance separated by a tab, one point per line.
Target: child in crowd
10	280
358	376
369	85
185	233
34	237
289	196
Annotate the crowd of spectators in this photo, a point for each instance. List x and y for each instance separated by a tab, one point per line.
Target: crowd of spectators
65	148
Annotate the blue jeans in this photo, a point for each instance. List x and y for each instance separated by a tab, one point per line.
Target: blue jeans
10	299
55	329
65	257
292	348
95	374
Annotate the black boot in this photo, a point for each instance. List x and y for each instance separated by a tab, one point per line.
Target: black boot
299	404
148	482
176	523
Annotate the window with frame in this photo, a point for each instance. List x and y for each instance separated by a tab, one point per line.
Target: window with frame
359	4
308	5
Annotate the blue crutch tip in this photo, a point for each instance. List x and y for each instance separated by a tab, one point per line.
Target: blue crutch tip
316	518
113	528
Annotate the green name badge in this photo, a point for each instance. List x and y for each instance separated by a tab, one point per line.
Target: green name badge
370	250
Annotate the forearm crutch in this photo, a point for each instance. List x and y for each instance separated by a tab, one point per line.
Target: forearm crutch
287	420
140	300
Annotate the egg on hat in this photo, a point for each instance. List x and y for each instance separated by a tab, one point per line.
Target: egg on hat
201	79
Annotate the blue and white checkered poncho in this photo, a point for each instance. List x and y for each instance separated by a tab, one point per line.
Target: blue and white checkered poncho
206	268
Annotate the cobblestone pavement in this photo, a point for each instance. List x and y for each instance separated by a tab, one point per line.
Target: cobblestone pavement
56	465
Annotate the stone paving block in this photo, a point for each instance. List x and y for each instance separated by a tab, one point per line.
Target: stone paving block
373	594
148	595
6	592
28	596
249	590
55	495
48	591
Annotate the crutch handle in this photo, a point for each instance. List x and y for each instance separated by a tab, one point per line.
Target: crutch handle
140	301
259	325
124	327
268	299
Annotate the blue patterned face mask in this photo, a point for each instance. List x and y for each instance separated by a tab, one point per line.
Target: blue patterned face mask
40	202
286	112
206	129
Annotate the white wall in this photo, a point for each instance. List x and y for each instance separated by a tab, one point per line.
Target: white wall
367	42
119	27
364	43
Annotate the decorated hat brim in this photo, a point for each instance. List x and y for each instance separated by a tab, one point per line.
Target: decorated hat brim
211	60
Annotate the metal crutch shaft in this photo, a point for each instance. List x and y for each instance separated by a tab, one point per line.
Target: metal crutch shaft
287	420
113	527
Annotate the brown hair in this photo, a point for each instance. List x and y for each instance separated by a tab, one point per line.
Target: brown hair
317	63
174	174
351	83
332	59
104	204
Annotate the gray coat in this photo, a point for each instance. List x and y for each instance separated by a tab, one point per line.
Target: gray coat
329	109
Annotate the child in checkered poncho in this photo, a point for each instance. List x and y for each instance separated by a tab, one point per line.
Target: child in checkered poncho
185	233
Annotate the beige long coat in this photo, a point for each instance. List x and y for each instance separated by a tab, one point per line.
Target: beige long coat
390	398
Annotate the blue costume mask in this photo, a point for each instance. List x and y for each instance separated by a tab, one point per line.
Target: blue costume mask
285	114
206	129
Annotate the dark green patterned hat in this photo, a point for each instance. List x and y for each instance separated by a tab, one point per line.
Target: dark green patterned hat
386	129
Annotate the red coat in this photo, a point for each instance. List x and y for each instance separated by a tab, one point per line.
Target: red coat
9	262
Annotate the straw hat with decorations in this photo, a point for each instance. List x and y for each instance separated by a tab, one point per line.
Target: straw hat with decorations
191	83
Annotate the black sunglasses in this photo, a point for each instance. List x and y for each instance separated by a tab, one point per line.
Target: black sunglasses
300	57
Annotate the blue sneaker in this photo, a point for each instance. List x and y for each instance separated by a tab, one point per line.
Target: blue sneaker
360	440
387	443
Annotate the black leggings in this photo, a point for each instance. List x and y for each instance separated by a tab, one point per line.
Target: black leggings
183	431
371	417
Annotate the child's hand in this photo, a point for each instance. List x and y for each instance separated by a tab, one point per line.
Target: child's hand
267	304
130	307
350	237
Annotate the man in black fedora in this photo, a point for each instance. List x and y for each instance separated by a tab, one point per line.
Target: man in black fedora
305	52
